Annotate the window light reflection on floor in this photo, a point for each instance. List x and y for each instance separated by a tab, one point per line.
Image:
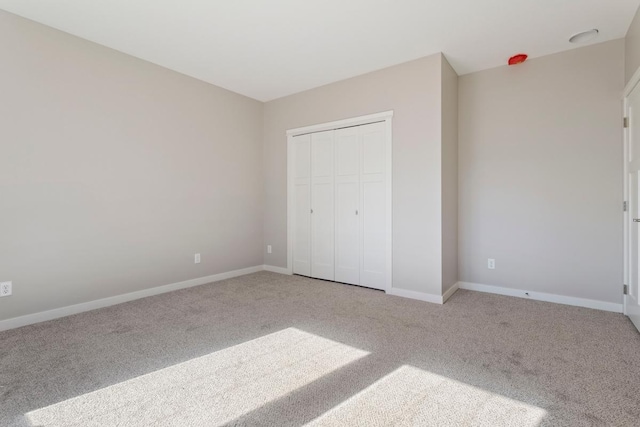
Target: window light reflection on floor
209	390
413	397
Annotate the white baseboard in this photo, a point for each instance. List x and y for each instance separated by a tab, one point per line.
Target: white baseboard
436	299
452	290
540	296
43	316
274	269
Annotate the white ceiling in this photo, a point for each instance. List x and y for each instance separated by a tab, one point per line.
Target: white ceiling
269	49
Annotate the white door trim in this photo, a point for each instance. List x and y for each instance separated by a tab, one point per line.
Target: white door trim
635	79
633	82
626	198
631	85
386	117
355	121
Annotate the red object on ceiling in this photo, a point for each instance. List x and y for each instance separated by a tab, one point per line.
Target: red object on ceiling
518	59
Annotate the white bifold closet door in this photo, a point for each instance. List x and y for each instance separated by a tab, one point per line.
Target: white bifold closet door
313	245
302	211
373	193
348	205
361	205
340	192
322	211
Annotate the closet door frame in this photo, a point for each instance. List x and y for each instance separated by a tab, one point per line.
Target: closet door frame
385	117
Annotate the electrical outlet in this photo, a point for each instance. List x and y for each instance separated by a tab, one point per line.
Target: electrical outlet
5	289
491	264
196	259
268	249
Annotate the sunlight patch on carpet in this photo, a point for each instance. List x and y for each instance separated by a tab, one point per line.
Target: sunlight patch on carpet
209	390
413	397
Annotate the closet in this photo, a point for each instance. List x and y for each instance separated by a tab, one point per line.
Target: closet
340	204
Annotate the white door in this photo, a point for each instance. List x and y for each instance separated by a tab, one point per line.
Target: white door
632	299
347	200
302	209
339	201
373	205
322	209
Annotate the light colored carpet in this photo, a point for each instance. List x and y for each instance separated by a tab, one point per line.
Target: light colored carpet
267	349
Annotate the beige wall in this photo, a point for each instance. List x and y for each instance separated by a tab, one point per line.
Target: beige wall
413	91
541	176
114	172
449	176
632	48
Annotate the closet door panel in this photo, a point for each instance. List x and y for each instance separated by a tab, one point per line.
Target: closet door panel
302	210
347	193
347	233
322	205
373	203
373	235
347	152
373	147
